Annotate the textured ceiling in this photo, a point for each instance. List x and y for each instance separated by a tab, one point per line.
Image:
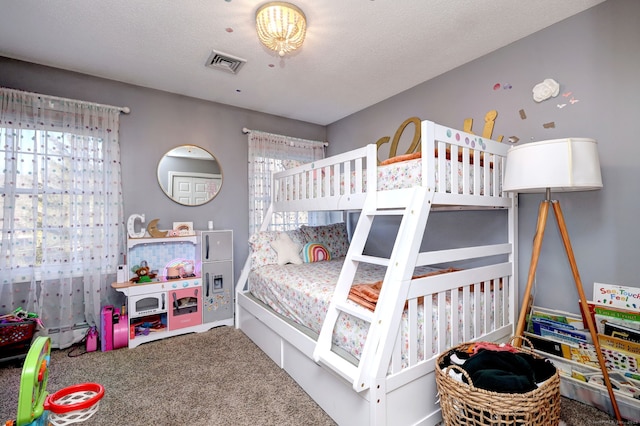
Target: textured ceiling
357	52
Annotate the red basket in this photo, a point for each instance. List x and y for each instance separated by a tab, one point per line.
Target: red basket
14	333
73	404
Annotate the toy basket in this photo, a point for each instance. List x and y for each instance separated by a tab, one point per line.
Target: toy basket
74	404
16	336
463	404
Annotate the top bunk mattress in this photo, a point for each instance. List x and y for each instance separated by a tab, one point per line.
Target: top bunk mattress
408	174
461	168
455	179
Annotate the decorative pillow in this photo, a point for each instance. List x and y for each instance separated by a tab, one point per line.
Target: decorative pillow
315	252
334	237
261	252
287	250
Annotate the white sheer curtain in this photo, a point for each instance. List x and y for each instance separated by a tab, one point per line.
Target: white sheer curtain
62	214
270	152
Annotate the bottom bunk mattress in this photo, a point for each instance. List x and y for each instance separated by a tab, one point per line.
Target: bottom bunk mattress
302	293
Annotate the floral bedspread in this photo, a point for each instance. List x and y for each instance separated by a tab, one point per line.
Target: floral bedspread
303	292
407	174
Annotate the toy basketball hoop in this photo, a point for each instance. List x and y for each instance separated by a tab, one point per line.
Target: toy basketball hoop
73	404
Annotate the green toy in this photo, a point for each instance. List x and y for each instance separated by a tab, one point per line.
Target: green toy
36	407
33	384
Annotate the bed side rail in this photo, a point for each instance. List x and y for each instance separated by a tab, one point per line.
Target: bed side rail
445	310
476	165
338	182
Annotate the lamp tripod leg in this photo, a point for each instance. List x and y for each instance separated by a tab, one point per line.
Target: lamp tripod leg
543	213
583	305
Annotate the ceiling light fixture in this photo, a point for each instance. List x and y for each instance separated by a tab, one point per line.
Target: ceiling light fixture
281	26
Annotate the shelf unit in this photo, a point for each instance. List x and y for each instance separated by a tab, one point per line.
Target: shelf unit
588	393
169	307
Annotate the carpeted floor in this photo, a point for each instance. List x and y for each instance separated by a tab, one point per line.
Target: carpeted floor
215	378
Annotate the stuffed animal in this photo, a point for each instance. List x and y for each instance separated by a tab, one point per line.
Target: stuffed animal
187	269
143	275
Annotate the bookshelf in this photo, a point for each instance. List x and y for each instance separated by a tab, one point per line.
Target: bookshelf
565	339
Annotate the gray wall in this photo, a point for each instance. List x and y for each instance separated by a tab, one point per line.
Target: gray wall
158	122
596	56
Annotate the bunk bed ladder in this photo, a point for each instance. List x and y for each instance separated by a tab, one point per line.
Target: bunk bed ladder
400	265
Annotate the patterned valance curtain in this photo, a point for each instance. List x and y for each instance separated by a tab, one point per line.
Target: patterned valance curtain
62	216
269	153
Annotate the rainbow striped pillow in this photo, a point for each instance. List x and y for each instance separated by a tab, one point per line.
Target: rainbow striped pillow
315	252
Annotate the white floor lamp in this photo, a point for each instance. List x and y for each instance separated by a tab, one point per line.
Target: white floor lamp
556	165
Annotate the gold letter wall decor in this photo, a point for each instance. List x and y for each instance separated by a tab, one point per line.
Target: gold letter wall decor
489	122
487	131
415	143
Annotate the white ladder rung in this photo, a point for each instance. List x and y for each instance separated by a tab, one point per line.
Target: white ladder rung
370	259
388	212
414	205
355	310
340	365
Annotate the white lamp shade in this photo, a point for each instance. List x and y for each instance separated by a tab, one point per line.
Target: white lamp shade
569	164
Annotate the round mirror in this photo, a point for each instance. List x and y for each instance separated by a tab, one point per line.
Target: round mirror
190	175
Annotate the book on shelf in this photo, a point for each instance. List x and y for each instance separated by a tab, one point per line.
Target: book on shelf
562	335
620	354
602	320
617	295
615	312
584	354
602	315
557	316
619	344
621	331
558	326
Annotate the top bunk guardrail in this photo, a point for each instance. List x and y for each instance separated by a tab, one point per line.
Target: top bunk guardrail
469	174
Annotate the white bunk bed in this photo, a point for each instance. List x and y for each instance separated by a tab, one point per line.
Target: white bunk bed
390	380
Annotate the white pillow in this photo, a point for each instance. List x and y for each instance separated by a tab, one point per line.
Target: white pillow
288	251
261	252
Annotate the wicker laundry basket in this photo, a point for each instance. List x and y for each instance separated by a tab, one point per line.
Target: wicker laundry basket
466	405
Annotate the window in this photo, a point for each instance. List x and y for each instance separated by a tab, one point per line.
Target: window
61	221
43	193
270	153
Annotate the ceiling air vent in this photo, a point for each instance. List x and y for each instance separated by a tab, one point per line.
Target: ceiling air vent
225	62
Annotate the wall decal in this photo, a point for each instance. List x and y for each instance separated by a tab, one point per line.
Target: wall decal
415	143
522	114
550	125
505	86
545	90
489	122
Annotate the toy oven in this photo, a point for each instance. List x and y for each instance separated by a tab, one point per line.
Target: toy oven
147	304
185	309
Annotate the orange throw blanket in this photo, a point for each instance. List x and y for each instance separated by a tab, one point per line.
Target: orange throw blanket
367	294
414	155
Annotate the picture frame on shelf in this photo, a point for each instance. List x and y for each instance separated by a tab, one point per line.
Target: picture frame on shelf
183	228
